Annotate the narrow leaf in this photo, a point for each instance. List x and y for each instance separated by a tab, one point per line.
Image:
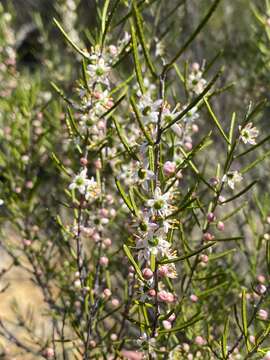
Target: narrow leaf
133	262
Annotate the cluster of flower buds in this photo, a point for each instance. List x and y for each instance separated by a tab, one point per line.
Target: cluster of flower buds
7	54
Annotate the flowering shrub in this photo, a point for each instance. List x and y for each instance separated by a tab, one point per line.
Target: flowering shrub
130	203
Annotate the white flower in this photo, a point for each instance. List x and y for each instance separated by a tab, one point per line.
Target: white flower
248	134
80	182
191	115
98	72
1	202
149	109
92	189
159	203
196	83
231	178
168	115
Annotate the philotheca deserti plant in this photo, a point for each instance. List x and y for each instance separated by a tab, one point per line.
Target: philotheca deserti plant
133	207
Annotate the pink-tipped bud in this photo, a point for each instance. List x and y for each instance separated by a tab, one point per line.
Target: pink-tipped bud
214	181
83	161
163	271
103	261
195	128
188	145
113	337
195	66
96	236
267	355
199	340
261	279
104	212
164	296
261	289
166	324
208	236
107	242
211	217
204	258
107	293
115	302
113	50
263	314
29	184
49	353
172	317
27	242
169	168
98	164
109	104
268	22
252	339
151	293
147	273
92	344
220	226
194	298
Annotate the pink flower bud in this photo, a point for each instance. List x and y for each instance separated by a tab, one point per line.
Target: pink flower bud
195	66
214	181
267	355
113	337
109	104
113	50
172	317
208	236
92	344
131	269
98	164
211	217
261	289
204	258
83	161
164	296
163	271
221	198
169	168
268	219
49	353
104	212
261	278
101	125
151	293
252	339
96	236
195	128
29	184
263	314
166	324
220	226
107	293
103	261
194	298
27	242
199	340
268	22
188	145
88	232
107	242
115	302
147	273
